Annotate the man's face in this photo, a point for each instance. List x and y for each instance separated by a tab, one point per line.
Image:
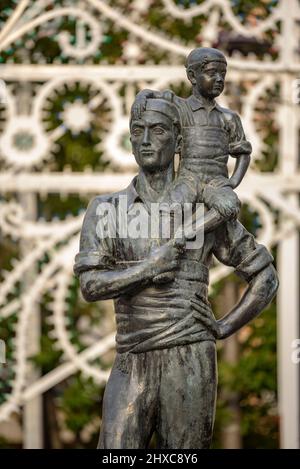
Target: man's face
153	139
209	81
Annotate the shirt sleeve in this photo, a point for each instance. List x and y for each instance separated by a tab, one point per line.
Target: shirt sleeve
238	144
236	247
96	251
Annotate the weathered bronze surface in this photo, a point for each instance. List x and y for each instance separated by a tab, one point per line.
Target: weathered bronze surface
164	377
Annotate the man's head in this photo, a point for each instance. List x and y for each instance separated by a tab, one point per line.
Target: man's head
206	69
155	135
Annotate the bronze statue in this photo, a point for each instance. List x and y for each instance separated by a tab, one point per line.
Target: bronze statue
210	133
164	377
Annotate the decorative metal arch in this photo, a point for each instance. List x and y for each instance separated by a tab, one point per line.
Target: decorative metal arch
27	147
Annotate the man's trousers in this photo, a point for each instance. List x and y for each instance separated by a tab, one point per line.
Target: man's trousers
171	391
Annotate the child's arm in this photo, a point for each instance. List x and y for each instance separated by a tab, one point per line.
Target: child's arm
240	169
240	149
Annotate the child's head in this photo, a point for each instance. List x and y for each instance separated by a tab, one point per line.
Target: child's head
206	69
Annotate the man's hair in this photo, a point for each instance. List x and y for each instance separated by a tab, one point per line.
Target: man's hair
164	106
201	56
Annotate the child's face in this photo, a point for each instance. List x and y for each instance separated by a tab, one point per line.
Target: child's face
209	81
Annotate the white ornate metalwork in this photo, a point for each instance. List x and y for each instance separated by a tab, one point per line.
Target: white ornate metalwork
28	145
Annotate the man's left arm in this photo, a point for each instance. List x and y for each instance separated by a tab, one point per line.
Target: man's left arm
236	247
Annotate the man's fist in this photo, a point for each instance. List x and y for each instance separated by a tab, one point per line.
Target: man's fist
166	260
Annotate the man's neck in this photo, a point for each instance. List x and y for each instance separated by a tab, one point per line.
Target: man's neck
157	180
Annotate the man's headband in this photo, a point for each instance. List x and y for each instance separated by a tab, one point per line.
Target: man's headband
164	107
167	108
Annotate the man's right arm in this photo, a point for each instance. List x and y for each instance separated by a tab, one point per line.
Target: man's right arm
106	284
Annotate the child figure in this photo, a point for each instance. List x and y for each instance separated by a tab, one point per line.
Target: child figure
210	134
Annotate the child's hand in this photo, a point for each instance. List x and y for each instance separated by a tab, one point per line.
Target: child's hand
233	182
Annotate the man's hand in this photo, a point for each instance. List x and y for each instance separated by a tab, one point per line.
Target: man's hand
140	102
166	260
203	314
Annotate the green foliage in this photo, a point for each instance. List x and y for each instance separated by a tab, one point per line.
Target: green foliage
79	402
48	357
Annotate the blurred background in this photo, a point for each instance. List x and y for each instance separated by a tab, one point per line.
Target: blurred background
69	72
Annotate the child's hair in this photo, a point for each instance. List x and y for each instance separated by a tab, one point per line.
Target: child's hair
201	56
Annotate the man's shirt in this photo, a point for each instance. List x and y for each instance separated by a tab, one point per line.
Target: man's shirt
161	316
